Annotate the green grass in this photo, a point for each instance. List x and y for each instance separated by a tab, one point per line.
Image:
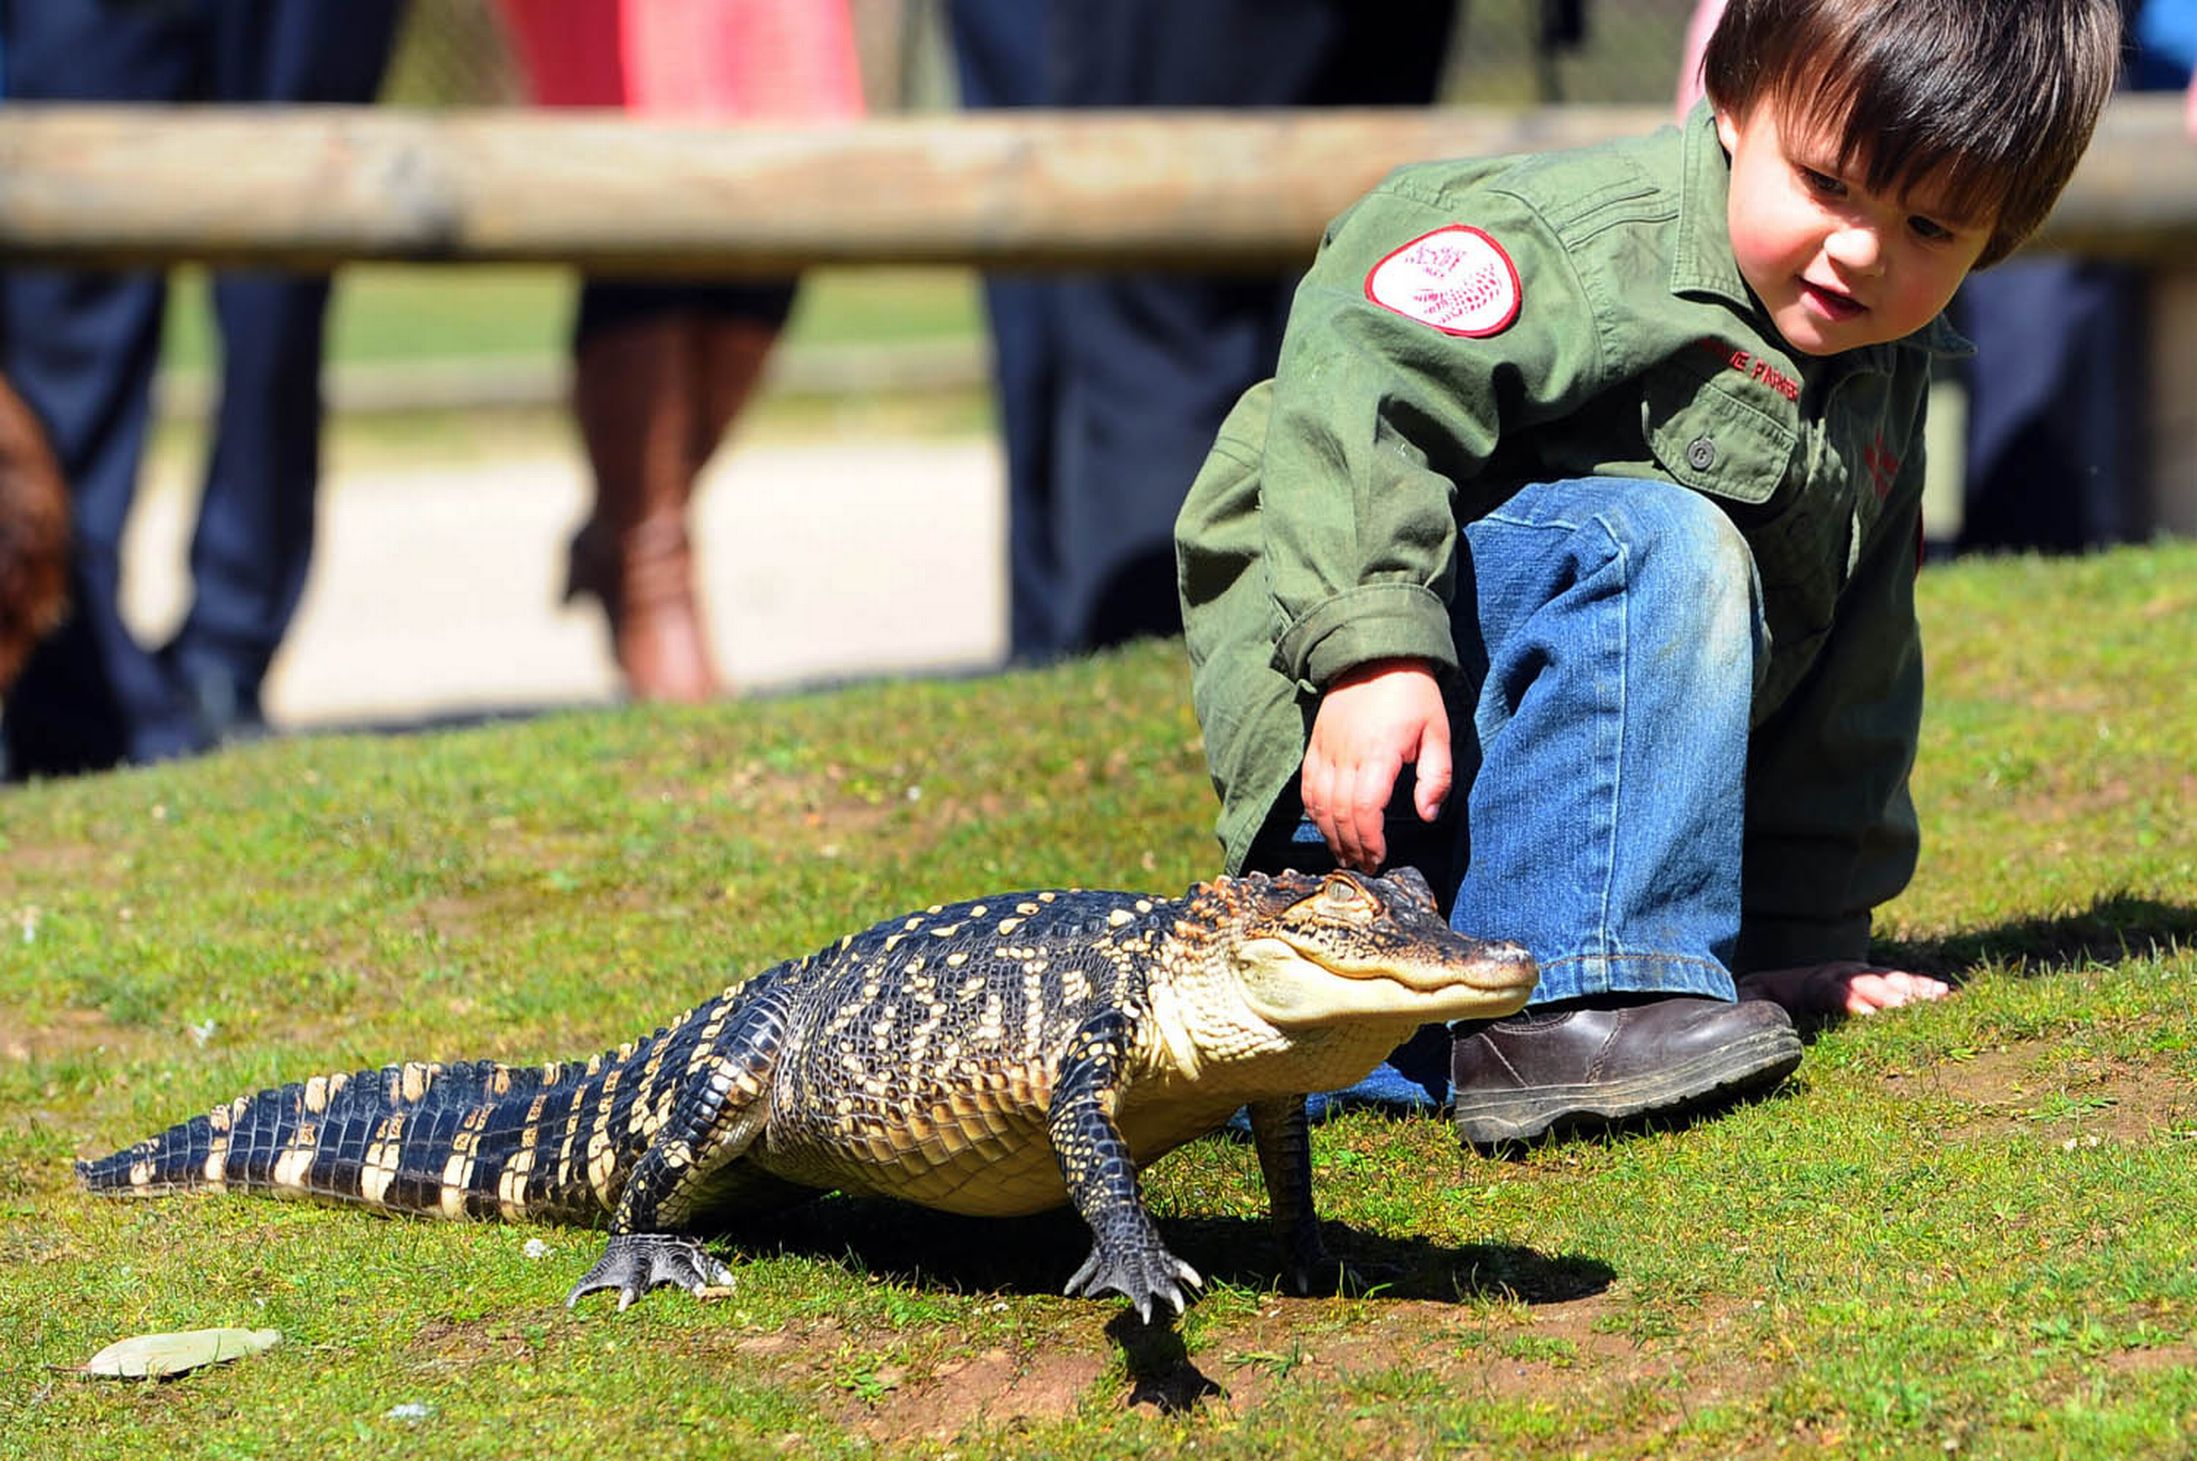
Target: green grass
499	318
388	313
1961	1230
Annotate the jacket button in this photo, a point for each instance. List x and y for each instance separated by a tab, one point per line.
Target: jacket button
1701	454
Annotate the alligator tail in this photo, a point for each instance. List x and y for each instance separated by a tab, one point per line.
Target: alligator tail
464	1140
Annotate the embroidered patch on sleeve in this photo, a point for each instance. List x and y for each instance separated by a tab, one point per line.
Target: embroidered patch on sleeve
1456	279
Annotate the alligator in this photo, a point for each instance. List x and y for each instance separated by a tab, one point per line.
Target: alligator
999	1056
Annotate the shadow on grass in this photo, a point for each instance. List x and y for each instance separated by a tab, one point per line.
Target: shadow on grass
2116	926
1161	1372
1163	1376
1035	1255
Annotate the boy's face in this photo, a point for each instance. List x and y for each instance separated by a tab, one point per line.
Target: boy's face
1837	266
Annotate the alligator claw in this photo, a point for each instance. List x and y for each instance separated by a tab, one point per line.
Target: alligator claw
1140	1277
634	1263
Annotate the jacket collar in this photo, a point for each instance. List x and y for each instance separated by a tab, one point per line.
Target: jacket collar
1702	262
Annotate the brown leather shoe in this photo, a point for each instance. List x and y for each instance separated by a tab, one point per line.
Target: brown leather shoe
1560	1070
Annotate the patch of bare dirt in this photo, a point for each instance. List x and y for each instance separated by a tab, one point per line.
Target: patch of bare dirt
2168	605
2033	1088
487	911
1245	1364
65	1032
70	864
992	1390
446	1345
826	810
2157	1357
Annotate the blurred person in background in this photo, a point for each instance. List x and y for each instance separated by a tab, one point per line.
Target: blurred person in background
661	369
1112	386
81	347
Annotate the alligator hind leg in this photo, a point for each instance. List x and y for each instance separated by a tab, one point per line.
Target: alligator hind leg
718	1115
649	1243
634	1263
1285	1162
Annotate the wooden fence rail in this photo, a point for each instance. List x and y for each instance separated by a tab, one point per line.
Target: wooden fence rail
321	186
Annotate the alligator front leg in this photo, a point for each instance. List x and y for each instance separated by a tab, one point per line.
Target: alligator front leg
1127	1256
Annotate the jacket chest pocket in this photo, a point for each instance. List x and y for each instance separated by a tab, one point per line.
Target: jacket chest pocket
1707	435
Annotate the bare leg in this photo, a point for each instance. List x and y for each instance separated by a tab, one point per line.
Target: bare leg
634	391
730	354
653	399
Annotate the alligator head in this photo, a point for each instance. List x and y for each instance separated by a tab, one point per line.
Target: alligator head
1324	973
1343	946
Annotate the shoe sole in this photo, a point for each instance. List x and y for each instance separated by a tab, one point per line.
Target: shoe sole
1757	1062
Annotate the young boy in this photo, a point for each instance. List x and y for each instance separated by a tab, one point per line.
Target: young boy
1601	472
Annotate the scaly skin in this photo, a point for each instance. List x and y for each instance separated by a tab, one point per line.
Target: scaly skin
997	1056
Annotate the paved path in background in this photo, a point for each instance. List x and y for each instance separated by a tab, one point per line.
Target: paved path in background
434	592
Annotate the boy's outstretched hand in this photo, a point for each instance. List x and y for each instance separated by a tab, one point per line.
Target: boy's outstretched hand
1844	987
1372	720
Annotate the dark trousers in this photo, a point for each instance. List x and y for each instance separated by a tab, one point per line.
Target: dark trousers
81	348
2056	455
1112	386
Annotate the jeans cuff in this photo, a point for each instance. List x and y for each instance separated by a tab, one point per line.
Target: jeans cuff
1583	976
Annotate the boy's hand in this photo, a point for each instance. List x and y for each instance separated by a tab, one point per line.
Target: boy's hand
1844	987
1372	720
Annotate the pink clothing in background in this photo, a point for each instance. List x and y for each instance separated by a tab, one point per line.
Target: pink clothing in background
785	60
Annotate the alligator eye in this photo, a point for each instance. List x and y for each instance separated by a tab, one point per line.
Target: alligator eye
1339	894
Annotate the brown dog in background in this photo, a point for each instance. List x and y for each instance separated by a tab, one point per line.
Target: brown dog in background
34	535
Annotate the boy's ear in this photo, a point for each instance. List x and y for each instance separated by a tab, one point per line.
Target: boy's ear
1727	126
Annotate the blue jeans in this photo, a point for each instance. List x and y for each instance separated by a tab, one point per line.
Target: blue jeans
1610	631
1613	628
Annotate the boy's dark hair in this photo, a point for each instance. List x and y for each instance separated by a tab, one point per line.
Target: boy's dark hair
1992	101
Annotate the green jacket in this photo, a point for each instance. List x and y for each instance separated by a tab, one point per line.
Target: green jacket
1322	531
